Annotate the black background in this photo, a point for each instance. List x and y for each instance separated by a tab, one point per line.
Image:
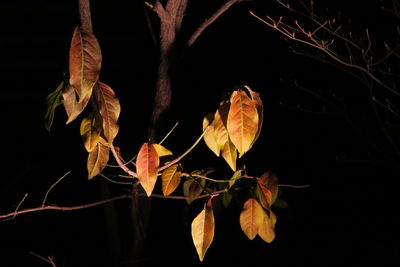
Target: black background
348	217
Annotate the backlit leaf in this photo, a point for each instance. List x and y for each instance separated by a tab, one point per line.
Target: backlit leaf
270	180
109	109
243	121
147	163
260	110
203	230
90	130
171	178
266	229
219	123
72	106
251	218
97	158
161	150
84	63
209	135
54	99
229	154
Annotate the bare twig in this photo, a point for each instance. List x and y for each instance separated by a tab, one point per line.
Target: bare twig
52	186
49	259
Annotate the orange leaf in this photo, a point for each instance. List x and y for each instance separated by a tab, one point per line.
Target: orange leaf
266	229
84	62
229	154
147	163
97	158
259	105
271	182
263	194
243	121
171	178
72	106
251	217
203	230
109	109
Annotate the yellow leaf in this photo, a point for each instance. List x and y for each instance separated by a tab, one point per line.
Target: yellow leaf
251	217
266	229
161	150
147	163
236	175
203	230
90	130
242	121
84	62
219	123
54	99
109	109
229	154
171	178
209	135
97	158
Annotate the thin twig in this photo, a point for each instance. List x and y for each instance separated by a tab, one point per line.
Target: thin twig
168	134
49	259
120	163
52	186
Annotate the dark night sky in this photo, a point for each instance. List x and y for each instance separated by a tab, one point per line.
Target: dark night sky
347	218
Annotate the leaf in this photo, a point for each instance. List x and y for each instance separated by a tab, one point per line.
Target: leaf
84	63
203	230
97	158
171	178
191	189
161	150
147	163
242	122
236	175
260	110
229	154
90	130
109	109
263	194
251	218
209	135
271	182
266	229
219	123
54	99
72	106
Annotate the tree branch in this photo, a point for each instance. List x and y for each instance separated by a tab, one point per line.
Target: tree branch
85	17
209	21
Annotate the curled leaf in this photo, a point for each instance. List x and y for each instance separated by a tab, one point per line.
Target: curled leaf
171	178
147	163
263	194
260	109
203	230
270	181
98	158
54	99
209	135
192	189
72	106
161	150
109	109
229	153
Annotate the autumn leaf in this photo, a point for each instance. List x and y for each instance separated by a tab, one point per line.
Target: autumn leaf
266	229
263	194
171	178
203	230
260	109
147	163
90	130
270	181
242	124
251	218
54	99
219	123
229	153
72	106
192	189
84	63
97	158
109	109
209	134
161	150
